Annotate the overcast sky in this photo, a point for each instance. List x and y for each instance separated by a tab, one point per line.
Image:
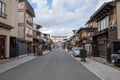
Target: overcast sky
60	17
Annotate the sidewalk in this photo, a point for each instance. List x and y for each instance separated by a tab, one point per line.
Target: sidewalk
103	61
103	71
8	64
11	63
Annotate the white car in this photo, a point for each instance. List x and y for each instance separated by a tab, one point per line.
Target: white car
76	51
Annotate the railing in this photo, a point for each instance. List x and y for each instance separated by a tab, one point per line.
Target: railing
30	23
28	35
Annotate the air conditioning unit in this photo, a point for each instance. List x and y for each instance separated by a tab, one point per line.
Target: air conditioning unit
112	24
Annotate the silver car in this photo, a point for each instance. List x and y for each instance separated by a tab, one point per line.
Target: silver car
76	51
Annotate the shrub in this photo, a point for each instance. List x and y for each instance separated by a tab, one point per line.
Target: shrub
83	54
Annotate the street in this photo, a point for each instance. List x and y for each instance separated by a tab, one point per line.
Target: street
56	65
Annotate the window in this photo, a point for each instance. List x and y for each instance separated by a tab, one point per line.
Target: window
2	9
99	26
103	24
90	33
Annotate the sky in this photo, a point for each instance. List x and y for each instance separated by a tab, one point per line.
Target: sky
60	17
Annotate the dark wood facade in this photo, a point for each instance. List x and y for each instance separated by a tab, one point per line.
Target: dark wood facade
85	39
104	36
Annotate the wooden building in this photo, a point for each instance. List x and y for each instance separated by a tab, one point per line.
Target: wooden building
108	30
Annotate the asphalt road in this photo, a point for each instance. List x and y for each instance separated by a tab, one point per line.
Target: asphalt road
56	65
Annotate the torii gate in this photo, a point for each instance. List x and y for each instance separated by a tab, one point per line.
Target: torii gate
58	38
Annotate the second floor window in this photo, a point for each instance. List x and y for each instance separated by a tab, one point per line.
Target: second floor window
89	34
103	24
2	9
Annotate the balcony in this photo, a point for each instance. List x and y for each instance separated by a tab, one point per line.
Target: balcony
28	35
30	23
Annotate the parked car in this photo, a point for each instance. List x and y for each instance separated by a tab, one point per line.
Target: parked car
76	51
115	57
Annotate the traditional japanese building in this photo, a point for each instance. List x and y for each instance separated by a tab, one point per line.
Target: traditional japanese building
107	18
74	40
85	39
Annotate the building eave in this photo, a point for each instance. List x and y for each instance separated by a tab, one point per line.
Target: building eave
103	10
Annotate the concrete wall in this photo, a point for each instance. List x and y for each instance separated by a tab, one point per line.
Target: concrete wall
21	5
8	12
21	17
11	19
118	19
14	17
21	32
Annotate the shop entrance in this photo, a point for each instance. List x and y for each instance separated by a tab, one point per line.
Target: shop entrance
2	47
